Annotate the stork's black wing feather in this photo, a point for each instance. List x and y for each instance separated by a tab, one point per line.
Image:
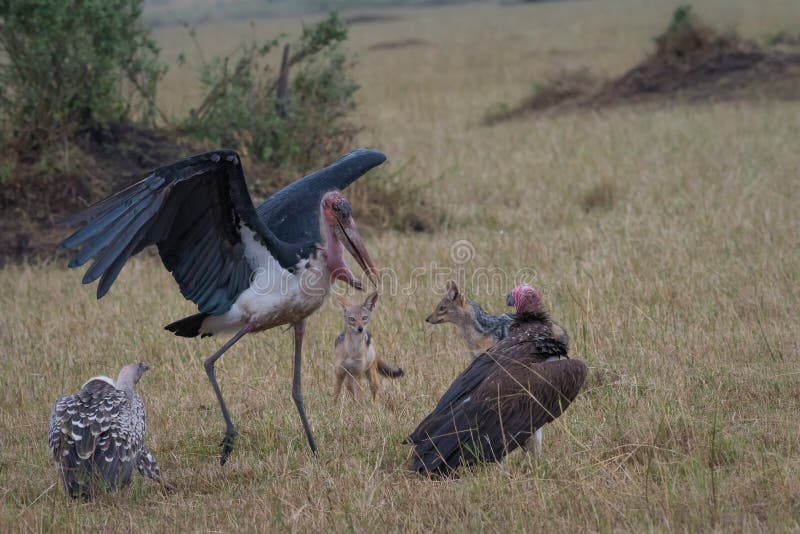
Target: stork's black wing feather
194	211
293	212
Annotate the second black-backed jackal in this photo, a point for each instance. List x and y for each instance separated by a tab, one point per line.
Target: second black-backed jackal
479	329
355	349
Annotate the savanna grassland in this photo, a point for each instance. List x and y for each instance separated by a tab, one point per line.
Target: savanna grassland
665	238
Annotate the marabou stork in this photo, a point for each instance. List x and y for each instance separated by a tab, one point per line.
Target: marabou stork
96	436
247	269
502	400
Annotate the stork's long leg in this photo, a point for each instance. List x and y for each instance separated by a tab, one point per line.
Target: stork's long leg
297	388
230	431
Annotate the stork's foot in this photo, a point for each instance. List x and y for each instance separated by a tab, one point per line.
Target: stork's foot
312	444
227	446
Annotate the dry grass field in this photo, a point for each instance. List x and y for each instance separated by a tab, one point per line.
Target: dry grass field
665	238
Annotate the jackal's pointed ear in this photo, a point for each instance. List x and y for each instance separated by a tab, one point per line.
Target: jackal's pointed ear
452	290
371	300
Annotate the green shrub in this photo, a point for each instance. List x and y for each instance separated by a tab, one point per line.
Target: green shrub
782	37
302	127
682	18
71	64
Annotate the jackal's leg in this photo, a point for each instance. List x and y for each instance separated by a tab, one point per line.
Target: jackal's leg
352	387
372	376
337	388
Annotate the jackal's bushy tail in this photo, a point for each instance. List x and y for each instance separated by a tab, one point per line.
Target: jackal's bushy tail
387	369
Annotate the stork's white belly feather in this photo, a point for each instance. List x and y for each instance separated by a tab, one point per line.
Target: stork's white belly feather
276	296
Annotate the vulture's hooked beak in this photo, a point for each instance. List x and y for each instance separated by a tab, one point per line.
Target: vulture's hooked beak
510	299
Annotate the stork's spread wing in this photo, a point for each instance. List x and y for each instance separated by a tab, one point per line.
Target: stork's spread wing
293	212
96	432
54	435
193	210
499	416
197	211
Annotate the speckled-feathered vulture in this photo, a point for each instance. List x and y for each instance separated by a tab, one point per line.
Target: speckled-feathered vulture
97	435
502	400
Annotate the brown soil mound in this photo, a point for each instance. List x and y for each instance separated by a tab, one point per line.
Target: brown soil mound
566	87
40	193
393	45
691	63
370	18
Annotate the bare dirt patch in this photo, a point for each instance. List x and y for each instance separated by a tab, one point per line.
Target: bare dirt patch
43	190
393	45
370	18
692	63
566	87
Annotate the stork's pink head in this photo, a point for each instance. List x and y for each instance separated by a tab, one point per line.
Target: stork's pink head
525	299
338	216
335	207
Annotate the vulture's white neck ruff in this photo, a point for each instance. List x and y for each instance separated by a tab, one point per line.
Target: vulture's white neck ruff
102	378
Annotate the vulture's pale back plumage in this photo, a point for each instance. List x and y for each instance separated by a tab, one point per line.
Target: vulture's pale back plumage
97	435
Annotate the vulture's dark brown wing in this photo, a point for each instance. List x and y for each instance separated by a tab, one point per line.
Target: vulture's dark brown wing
499	416
537	349
528	341
464	384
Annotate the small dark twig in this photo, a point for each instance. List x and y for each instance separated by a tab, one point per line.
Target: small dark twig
281	101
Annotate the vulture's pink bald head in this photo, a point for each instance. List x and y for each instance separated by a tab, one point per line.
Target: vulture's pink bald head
525	299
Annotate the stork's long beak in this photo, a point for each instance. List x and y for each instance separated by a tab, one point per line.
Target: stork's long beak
350	237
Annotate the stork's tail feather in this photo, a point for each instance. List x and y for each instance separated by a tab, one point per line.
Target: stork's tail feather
389	370
188	326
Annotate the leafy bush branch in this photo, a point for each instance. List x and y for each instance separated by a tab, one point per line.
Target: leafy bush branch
74	64
295	120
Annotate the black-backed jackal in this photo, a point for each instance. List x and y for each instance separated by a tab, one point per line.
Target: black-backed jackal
479	329
355	350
